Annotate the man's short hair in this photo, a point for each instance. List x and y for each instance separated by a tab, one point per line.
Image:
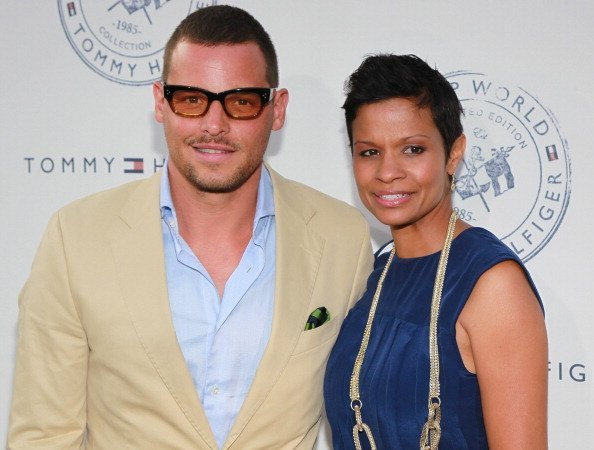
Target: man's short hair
223	25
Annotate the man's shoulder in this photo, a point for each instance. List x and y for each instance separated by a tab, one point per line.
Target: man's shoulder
111	201
326	207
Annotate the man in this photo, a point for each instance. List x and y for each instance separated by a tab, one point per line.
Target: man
194	309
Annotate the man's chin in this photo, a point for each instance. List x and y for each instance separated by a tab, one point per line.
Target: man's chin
219	186
215	182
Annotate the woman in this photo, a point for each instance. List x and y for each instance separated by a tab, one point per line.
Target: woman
448	345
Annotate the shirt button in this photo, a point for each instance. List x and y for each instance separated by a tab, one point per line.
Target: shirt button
215	390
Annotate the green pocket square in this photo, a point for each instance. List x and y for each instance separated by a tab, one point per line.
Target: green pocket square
317	318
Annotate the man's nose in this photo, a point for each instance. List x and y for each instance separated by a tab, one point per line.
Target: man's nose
215	121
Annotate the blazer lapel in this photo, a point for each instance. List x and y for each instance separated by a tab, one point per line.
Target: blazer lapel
138	251
298	256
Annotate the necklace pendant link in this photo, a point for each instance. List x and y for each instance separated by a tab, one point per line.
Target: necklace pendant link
363	427
359	427
367	431
431	433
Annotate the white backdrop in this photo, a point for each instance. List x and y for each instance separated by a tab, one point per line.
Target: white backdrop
70	127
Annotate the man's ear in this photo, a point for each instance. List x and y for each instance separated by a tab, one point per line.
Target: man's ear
281	100
159	100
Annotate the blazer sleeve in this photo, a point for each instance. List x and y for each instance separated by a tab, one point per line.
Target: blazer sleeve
49	390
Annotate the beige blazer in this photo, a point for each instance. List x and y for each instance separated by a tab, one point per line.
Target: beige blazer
98	363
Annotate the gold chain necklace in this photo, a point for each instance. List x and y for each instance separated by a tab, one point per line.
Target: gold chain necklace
431	432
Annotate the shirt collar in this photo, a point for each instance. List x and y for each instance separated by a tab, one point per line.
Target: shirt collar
264	204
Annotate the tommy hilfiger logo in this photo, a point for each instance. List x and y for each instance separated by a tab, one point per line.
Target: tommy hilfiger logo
515	178
91	164
123	40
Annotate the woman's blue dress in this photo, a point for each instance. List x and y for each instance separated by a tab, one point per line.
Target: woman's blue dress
394	379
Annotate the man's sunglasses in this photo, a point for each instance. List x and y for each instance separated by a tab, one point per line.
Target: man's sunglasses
240	103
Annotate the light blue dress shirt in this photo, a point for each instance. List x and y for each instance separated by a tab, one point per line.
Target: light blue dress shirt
222	339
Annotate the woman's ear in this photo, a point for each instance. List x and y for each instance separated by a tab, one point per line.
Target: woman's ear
456	154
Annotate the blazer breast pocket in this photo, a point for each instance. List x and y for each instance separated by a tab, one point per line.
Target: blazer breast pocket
316	337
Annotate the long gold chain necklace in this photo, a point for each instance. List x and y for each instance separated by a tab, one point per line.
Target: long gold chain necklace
431	432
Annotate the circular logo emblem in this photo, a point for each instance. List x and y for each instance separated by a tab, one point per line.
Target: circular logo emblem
515	178
123	40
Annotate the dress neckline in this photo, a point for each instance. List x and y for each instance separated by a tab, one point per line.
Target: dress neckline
385	250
